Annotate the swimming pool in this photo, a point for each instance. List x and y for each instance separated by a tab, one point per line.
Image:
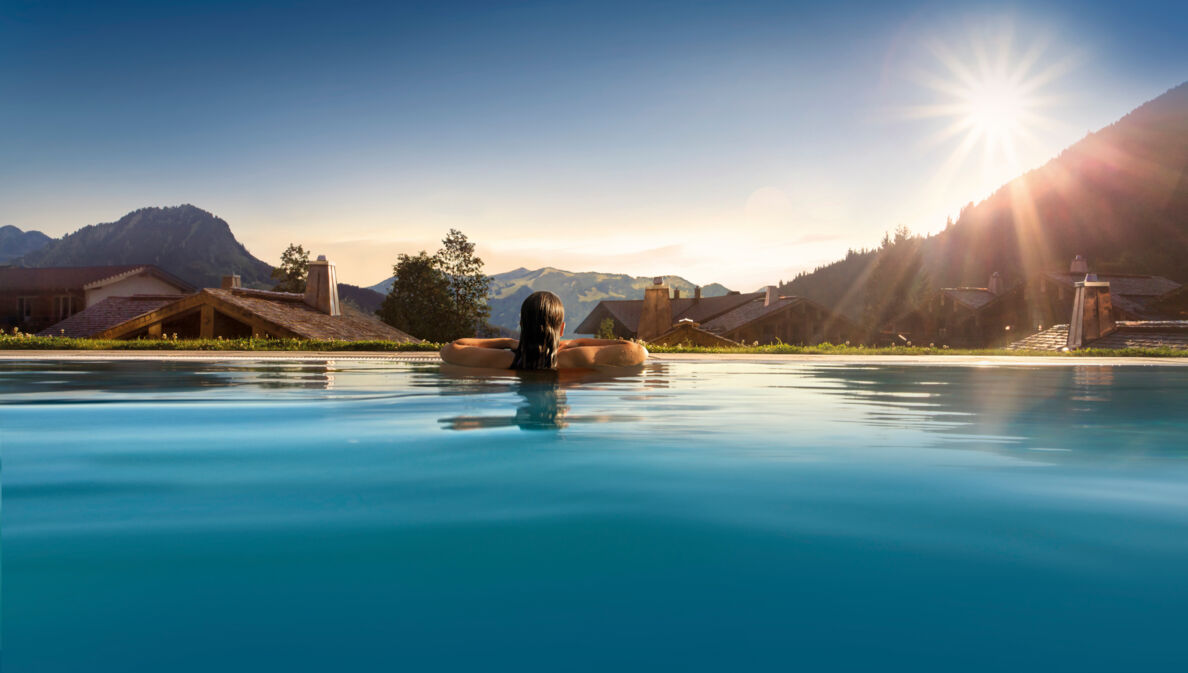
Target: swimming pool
343	515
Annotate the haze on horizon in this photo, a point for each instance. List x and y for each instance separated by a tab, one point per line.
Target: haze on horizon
736	142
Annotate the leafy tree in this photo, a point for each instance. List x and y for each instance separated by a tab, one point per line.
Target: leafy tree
439	297
606	328
469	287
293	269
420	299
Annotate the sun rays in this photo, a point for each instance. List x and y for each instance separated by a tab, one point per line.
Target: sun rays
988	96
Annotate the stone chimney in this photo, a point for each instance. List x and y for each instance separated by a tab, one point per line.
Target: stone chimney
231	282
655	318
321	287
676	293
770	297
995	285
697	293
1092	314
1079	265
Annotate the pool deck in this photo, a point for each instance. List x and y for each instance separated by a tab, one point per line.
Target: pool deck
413	356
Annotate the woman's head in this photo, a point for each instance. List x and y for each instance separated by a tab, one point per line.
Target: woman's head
542	320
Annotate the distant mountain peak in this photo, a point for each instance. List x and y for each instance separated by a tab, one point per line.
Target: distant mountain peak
185	240
15	243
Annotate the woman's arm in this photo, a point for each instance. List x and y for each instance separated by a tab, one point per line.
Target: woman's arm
626	354
477	356
581	343
488	343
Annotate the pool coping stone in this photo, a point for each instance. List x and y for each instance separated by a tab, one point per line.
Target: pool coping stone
423	356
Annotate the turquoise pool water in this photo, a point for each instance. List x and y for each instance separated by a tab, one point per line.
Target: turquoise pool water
366	516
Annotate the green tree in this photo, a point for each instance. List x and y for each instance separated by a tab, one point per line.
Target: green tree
439	297
469	286
293	269
606	329
420	301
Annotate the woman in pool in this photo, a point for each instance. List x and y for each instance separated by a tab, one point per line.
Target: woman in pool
542	322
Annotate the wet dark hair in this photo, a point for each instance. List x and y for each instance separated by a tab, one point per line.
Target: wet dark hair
541	316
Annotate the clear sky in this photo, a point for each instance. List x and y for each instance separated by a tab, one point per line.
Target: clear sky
737	142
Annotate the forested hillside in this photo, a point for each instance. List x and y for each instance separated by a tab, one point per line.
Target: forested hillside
1119	197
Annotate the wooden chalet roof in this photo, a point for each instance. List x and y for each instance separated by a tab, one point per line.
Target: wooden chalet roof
1130	293
289	310
688	331
148	269
1122	283
755	310
1146	334
278	314
1052	339
78	278
627	311
1129	334
972	297
58	278
107	314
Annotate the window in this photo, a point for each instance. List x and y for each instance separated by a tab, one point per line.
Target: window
24	308
63	307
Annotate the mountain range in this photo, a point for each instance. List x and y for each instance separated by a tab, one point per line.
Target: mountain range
15	243
186	241
1119	197
580	291
200	248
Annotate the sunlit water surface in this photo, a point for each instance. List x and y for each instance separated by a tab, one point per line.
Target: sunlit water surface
360	516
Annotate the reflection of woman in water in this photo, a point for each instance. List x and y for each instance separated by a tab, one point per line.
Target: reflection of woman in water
543	404
542	322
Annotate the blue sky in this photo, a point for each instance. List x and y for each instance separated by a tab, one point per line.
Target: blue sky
733	142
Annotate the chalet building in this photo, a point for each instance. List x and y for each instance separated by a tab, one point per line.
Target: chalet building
688	333
1134	296
33	299
234	312
963	317
1094	323
974	317
735	318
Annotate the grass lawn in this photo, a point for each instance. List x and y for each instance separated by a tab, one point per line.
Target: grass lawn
23	342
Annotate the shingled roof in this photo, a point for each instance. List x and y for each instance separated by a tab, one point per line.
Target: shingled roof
277	314
1052	339
748	313
289	311
972	297
627	311
107	314
58	278
1131	293
1128	334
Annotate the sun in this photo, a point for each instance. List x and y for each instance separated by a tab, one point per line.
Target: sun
996	108
986	95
